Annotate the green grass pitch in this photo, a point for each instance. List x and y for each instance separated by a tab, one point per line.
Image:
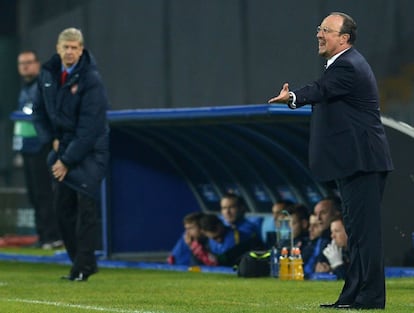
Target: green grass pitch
28	287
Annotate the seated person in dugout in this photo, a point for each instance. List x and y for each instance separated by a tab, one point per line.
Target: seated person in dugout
300	223
268	228
181	254
312	250
226	245
336	255
325	211
233	210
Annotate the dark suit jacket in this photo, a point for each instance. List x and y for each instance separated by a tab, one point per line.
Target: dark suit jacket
346	134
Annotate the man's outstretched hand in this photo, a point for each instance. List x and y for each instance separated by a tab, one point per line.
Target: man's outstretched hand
283	96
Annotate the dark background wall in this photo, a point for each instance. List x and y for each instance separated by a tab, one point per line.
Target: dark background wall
8	82
190	53
172	53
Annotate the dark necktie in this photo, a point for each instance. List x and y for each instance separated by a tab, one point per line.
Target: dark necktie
63	77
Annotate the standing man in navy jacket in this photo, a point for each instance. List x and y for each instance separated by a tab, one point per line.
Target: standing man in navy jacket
26	142
70	113
348	145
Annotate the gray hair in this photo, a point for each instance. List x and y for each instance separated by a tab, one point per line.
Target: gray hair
71	34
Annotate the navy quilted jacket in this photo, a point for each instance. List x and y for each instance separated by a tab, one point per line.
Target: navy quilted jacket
75	114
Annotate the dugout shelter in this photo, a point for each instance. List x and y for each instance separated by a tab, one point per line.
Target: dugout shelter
166	163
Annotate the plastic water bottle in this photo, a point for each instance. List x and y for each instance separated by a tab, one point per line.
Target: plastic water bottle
285	233
274	263
284	273
297	264
300	274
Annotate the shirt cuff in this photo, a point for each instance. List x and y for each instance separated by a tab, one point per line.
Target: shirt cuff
292	100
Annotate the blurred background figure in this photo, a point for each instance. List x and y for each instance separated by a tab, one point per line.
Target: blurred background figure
226	244
300	224
326	210
233	209
314	231
336	253
312	250
34	153
268	228
181	253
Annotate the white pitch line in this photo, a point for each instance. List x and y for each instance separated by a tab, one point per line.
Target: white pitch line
77	306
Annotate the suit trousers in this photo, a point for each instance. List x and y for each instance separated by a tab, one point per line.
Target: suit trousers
78	217
361	196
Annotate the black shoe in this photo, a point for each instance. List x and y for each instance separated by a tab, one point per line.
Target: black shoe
57	244
76	277
359	306
335	305
83	275
327	305
79	276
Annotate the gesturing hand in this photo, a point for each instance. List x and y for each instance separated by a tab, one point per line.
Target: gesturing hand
283	96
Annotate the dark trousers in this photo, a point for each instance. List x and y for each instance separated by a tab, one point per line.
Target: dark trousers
78	218
39	189
365	279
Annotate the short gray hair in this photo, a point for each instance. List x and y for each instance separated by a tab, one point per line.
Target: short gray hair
71	34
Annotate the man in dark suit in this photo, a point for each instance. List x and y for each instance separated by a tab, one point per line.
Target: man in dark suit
348	145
